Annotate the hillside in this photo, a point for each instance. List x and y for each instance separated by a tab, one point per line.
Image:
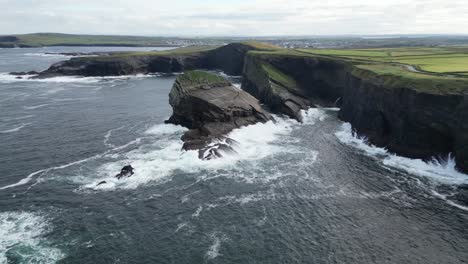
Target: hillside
55	39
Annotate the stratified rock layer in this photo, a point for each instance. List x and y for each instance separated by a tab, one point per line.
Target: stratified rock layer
211	107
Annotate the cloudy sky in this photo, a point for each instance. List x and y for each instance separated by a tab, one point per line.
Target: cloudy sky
235	17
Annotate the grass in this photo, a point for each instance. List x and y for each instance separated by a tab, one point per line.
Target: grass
54	39
191	50
397	76
261	46
199	78
439	60
279	77
439	70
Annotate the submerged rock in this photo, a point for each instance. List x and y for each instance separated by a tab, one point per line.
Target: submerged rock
211	107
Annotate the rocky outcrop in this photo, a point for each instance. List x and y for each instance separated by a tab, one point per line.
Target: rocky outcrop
115	65
407	121
228	58
8	39
288	84
413	123
211	107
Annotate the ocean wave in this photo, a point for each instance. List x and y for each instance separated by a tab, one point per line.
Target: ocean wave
448	201
9	78
22	239
8	119
439	170
35	106
31	176
16	129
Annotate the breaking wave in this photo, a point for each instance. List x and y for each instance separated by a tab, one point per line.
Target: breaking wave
439	170
159	159
22	239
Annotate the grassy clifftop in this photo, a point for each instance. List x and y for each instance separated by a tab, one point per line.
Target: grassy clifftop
435	70
199	78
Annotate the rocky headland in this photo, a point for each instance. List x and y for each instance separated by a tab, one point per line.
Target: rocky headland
211	107
418	117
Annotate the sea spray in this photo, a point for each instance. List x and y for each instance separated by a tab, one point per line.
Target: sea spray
439	170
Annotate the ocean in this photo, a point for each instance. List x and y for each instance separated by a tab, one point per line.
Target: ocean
310	192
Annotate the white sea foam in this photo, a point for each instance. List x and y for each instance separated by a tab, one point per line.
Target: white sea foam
8	119
448	201
165	129
197	213
21	235
438	170
35	106
312	115
217	239
157	161
108	135
41	54
15	129
8	78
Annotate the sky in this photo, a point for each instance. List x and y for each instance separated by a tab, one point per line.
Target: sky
235	17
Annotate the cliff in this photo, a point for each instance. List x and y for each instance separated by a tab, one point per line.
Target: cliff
407	121
211	107
229	58
290	82
411	117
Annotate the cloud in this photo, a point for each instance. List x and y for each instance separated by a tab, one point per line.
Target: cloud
235	17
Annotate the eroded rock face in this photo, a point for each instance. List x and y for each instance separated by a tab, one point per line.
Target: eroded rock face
211	107
411	123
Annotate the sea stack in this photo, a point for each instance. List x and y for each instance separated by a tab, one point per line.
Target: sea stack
210	106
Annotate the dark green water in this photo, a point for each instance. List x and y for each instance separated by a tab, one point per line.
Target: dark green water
297	193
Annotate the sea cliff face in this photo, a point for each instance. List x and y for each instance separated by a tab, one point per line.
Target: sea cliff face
229	58
127	65
290	83
409	122
412	123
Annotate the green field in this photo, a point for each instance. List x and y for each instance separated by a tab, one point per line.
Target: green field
429	69
54	39
439	60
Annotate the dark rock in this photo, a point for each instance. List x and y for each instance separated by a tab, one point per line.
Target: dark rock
126	171
229	58
101	183
24	73
9	39
211	107
409	122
